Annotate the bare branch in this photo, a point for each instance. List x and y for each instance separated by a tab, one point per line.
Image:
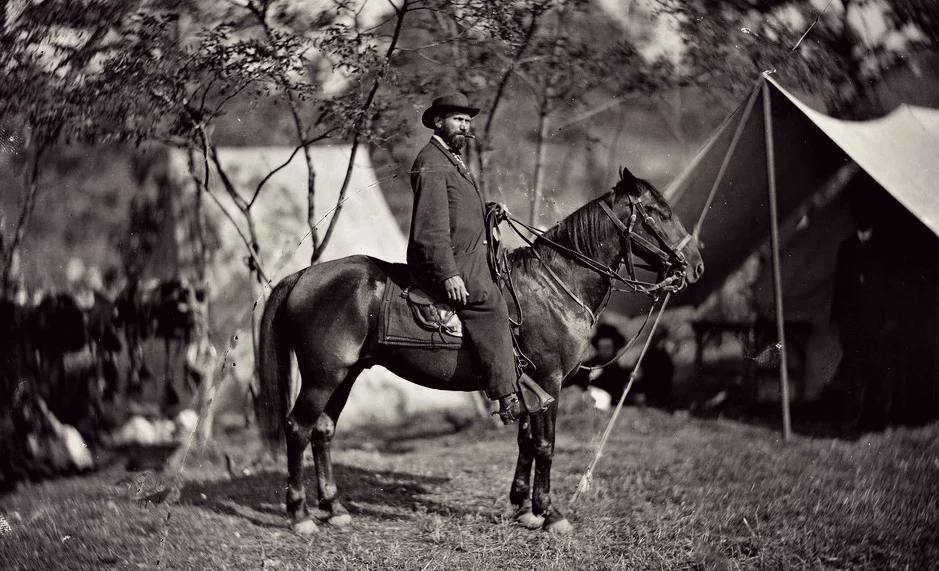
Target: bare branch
227	183
249	244
280	167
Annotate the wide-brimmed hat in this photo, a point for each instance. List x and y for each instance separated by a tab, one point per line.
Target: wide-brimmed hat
608	331
452	102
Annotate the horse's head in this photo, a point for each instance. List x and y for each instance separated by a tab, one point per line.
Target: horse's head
651	232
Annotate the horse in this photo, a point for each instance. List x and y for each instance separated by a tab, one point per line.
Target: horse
328	316
155	309
67	357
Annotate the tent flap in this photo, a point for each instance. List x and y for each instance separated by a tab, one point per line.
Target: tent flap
898	151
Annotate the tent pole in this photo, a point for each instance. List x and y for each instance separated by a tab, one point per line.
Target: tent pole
777	273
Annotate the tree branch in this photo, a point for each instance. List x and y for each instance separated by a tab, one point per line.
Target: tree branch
251	245
358	132
308	142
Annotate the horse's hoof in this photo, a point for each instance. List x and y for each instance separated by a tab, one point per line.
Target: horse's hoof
305	528
512	512
560	527
523	516
340	521
528	520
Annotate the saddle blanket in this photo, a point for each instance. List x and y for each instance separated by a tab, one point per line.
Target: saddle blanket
411	319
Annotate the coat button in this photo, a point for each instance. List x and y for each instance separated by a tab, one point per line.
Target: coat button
485	242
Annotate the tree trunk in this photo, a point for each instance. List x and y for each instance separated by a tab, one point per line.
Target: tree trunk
311	204
541	146
11	254
199	222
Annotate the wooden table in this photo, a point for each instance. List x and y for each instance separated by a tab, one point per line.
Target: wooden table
754	337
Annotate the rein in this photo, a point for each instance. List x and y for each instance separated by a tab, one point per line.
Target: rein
587	479
627	236
589	262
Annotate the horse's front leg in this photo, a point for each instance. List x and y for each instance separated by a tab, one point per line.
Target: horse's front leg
520	495
543	425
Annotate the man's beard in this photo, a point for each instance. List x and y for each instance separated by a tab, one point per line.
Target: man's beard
454	139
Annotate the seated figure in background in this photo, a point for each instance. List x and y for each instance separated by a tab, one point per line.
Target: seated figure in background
605	385
656	373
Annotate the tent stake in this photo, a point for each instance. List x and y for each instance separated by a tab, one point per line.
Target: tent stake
777	273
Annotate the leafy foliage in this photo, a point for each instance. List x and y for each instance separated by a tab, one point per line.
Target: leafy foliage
833	50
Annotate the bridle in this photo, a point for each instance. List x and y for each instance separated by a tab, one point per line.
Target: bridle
671	258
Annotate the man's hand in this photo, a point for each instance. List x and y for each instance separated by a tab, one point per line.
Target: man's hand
456	289
499	210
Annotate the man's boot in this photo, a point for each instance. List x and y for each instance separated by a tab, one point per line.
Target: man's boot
509	408
534	398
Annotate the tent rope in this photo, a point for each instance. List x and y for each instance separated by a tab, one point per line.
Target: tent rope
751	101
587	479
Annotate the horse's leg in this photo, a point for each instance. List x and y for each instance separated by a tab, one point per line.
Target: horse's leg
520	495
298	430
323	432
543	436
135	354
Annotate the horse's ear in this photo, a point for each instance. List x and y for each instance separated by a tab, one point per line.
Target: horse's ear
627	183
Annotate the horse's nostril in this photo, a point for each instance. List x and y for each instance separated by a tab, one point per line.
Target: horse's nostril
698	270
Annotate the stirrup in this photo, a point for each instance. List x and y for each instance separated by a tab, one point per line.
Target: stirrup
534	398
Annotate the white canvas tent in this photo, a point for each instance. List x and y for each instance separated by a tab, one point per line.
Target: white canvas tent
898	151
365	226
774	153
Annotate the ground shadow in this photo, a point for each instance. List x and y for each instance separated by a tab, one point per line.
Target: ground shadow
259	497
414	433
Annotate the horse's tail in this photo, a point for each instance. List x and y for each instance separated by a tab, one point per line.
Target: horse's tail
274	366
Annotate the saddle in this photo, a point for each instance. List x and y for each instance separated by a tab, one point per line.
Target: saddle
432	315
411	318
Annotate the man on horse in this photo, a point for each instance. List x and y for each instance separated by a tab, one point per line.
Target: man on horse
448	251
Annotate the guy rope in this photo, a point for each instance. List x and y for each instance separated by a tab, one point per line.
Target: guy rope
587	479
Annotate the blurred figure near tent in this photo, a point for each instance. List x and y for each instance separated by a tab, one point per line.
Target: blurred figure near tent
604	385
657	372
858	314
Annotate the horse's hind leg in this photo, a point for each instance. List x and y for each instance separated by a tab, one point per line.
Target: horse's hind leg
321	439
298	429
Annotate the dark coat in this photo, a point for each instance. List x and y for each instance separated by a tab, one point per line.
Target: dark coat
859	295
448	229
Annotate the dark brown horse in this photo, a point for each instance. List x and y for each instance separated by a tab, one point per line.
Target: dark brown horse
328	316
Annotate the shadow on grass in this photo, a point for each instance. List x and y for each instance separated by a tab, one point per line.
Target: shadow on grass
415	432
381	494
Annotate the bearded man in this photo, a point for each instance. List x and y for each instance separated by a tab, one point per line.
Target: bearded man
447	249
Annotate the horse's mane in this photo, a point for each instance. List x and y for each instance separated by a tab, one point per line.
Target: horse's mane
587	230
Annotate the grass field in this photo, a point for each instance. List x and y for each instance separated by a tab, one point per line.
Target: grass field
671	492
